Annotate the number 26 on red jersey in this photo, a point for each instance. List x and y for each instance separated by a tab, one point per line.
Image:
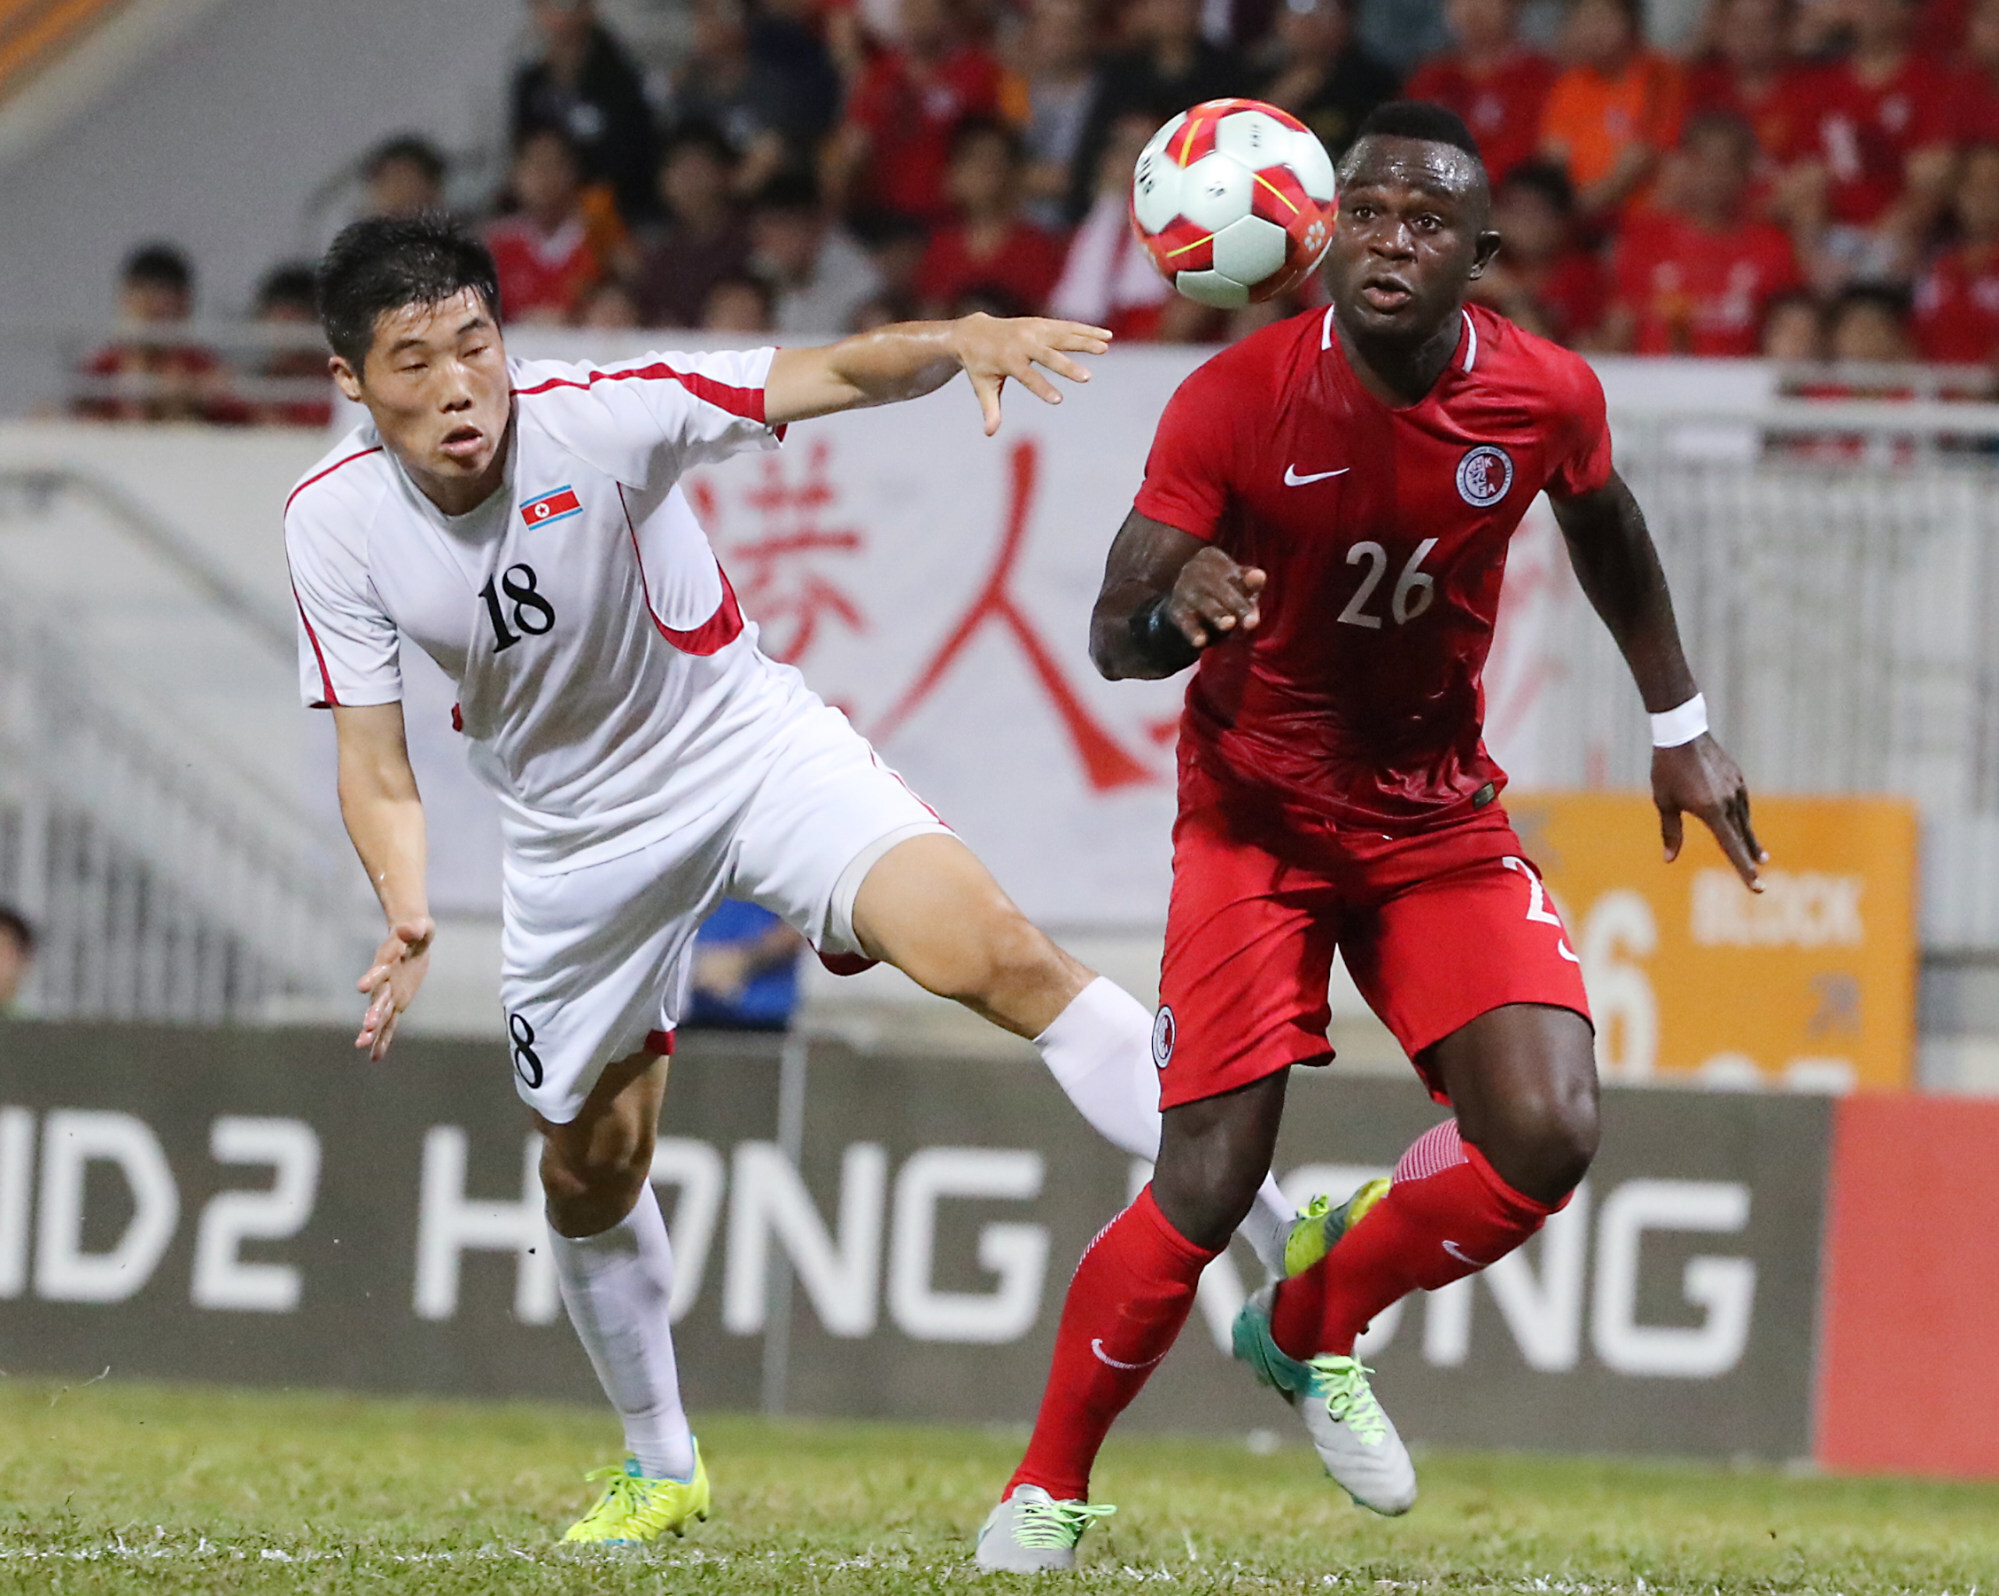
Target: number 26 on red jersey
1415	588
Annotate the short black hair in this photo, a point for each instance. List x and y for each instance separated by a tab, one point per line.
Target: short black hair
382	263
1870	294
293	283
160	264
1419	119
411	147
13	923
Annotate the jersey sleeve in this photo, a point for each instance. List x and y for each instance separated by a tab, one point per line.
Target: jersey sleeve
1582	457
660	414
1191	469
348	648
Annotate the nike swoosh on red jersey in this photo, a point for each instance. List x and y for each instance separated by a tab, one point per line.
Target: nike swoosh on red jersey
1293	480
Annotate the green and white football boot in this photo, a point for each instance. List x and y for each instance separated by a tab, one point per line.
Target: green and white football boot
1032	1533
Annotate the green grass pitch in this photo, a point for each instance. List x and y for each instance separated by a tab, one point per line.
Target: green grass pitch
117	1487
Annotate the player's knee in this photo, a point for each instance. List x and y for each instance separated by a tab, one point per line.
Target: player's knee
592	1182
1548	1144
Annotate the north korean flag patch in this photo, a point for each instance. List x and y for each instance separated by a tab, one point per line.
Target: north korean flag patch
557	506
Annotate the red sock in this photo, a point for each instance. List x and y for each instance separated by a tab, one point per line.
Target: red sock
1130	1296
1446	1215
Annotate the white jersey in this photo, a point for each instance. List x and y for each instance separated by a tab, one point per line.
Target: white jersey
603	667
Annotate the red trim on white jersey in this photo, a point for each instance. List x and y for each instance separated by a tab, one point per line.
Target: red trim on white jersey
745	402
712	635
358	454
332	700
659	1043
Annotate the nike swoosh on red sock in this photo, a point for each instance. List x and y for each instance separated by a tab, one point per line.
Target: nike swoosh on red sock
1097	1346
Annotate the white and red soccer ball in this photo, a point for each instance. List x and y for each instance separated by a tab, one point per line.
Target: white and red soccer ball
1234	200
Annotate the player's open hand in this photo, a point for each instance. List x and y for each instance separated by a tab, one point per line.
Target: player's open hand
390	985
992	349
1700	778
1213	596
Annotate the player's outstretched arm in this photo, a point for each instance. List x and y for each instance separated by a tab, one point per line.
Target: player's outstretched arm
384	816
1167	595
913	358
1618	566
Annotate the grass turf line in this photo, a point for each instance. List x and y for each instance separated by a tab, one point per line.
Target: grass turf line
112	1487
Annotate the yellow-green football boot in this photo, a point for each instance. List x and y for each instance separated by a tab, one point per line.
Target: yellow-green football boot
635	1509
1318	1229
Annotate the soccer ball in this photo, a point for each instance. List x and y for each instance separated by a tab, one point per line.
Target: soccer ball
1234	202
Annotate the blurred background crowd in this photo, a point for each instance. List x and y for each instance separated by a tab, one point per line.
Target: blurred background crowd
1802	179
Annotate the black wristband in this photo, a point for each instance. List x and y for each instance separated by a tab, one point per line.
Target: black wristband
1159	641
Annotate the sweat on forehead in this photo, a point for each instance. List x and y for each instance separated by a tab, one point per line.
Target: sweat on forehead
1426	163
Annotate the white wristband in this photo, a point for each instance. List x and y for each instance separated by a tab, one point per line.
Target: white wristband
1678	726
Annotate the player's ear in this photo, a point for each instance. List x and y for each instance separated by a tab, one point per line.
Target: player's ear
345	377
1483	250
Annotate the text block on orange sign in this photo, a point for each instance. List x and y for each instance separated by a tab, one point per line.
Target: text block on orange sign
1812	983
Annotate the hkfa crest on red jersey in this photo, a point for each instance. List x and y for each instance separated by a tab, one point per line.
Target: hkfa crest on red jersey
1484	475
557	506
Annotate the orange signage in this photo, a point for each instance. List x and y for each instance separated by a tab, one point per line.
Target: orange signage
1810	984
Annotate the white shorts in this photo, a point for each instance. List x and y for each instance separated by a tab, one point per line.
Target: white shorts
595	961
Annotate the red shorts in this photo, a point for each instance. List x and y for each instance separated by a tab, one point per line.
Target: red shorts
1437	929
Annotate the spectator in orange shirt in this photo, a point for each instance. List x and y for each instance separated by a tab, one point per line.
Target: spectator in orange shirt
1615	110
546	259
1957	299
1491	79
989	246
1541	278
1698	275
891	152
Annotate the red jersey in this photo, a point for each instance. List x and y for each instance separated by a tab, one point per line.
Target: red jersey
1026	267
1865	132
1501	107
910	122
1384	534
543	276
1780	113
1957	307
1701	292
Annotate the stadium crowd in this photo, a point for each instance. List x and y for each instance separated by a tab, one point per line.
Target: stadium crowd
1814	179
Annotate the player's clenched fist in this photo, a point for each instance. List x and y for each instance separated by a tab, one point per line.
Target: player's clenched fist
1214	596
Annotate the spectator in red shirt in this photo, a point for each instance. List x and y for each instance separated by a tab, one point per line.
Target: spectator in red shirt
1751	73
989	247
1974	114
1872	163
286	305
547	261
153	372
1491	80
1541	278
1109	279
891	152
1957	299
1697	275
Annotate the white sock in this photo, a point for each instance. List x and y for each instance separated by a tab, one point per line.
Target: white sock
616	1286
1099	1049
